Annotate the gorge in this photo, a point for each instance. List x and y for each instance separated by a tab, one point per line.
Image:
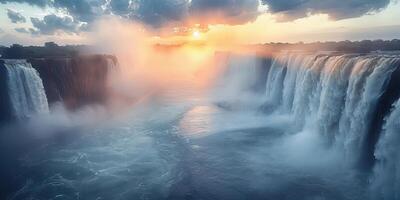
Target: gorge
293	125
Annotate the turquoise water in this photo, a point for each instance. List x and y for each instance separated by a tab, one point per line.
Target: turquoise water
180	144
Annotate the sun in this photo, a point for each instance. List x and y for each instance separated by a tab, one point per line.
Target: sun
196	34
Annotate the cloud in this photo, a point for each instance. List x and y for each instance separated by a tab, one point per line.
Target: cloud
158	13
51	24
82	10
294	9
27	31
40	3
15	16
122	7
225	11
22	30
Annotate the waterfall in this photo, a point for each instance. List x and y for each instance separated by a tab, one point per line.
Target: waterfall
386	179
274	86
243	75
111	64
344	100
335	95
25	89
367	83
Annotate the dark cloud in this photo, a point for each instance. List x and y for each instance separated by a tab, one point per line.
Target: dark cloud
50	24
122	7
225	11
294	9
40	3
155	12
159	12
22	30
83	10
15	16
27	31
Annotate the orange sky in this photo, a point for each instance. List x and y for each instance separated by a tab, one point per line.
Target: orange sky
381	25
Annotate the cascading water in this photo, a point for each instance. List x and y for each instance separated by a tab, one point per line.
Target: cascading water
368	82
111	64
240	75
242	79
335	94
25	89
274	85
386	178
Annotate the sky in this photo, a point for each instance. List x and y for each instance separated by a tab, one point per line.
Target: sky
33	22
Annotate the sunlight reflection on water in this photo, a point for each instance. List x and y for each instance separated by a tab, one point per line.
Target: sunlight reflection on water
198	121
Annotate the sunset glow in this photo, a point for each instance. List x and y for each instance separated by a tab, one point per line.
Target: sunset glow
196	34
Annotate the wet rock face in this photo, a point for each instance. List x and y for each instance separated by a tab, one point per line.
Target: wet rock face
386	102
5	112
75	81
